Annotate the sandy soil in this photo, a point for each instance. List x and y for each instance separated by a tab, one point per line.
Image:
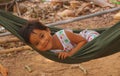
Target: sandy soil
40	66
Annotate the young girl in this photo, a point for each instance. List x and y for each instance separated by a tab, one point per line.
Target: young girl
40	36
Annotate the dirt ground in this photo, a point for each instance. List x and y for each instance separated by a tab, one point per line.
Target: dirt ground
30	63
40	66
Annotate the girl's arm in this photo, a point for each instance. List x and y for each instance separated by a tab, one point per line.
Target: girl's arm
77	39
74	38
78	46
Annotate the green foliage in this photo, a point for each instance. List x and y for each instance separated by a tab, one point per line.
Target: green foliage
115	1
43	0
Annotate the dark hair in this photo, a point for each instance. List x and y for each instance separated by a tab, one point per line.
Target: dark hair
27	29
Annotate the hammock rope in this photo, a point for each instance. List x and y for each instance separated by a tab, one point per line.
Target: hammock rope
106	44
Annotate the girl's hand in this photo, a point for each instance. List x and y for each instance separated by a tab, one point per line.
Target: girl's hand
63	55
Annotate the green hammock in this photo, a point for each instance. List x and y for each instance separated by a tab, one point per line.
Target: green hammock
106	44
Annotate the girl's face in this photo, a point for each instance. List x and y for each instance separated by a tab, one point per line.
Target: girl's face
41	39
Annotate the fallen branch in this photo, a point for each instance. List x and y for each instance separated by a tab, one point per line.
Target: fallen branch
2	41
83	17
26	47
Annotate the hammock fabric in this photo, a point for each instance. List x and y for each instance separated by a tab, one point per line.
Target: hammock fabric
106	44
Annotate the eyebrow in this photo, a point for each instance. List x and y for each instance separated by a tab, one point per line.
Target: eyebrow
37	33
34	32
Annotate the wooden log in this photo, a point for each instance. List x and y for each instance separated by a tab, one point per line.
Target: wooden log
6	40
26	47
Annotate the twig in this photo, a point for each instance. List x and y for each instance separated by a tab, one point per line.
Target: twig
80	67
83	17
28	68
12	4
17	7
83	69
26	47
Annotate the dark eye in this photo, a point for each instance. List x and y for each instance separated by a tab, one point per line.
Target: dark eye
42	36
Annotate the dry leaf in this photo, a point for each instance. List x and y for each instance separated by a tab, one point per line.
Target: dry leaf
67	13
117	16
74	4
101	3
